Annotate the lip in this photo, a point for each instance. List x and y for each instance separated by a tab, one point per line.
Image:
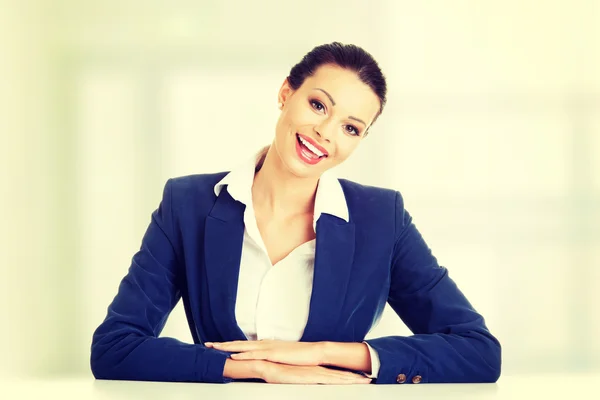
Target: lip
311	141
306	160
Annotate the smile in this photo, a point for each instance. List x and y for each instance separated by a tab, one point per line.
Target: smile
307	152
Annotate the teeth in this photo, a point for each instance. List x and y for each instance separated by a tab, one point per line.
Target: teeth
311	147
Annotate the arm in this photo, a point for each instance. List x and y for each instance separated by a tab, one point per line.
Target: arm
451	342
352	356
247	369
126	344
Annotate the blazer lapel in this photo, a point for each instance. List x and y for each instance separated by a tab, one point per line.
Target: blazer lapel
333	263
223	240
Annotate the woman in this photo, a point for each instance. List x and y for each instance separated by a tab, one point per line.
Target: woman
283	269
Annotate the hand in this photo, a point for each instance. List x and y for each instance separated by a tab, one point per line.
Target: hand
278	351
306	375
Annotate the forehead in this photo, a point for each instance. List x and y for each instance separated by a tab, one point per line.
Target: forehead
351	95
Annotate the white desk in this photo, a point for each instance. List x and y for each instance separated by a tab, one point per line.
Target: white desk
508	387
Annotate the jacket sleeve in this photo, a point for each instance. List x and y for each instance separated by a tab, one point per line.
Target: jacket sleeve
450	341
126	345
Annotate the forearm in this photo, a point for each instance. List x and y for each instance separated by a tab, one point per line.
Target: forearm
244	369
352	356
468	357
127	357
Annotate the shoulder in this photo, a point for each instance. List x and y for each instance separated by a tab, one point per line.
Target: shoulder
366	195
196	182
377	205
197	188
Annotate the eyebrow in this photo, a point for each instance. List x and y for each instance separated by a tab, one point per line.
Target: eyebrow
333	102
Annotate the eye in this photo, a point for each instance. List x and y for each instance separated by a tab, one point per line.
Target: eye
352	129
317	105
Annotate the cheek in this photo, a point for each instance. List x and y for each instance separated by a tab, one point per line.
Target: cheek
284	124
300	114
345	149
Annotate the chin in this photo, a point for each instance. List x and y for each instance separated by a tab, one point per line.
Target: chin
302	170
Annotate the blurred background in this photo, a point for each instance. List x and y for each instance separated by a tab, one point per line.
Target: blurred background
491	133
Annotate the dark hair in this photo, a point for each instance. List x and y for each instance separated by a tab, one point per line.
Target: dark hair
346	56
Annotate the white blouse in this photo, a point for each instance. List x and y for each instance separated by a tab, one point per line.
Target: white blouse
273	300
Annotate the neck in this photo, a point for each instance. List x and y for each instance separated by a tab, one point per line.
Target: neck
278	193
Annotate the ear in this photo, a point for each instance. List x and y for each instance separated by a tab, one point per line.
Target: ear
284	93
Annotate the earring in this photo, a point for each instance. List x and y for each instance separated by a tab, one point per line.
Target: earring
280	105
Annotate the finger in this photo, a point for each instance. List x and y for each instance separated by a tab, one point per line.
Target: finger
250	355
343	380
340	380
348	376
238	345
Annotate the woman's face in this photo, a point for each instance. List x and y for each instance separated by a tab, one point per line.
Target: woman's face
332	110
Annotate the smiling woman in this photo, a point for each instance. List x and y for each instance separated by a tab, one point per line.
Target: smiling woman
326	115
283	268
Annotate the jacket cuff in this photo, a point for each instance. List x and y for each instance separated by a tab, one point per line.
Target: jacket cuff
212	364
397	366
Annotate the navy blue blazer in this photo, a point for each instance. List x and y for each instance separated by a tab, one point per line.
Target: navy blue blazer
192	251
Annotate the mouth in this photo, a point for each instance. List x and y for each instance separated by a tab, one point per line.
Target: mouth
307	152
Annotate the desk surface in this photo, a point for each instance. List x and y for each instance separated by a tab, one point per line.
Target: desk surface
508	387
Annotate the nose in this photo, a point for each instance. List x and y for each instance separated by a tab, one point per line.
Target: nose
324	130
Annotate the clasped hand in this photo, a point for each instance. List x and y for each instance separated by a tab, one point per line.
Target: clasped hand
279	351
289	362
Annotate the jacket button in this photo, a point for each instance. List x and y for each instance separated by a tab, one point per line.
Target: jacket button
401	378
417	379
